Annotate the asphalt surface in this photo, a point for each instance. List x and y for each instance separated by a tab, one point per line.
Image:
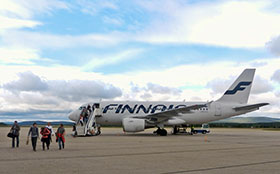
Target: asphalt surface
221	151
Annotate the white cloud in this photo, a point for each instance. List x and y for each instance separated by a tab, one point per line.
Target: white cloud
41	40
190	82
30	99
219	85
28	8
81	90
31	92
7	23
113	20
196	80
274	45
261	85
94	7
17	55
153	91
223	23
98	61
14	9
158	89
20	13
27	82
276	76
72	90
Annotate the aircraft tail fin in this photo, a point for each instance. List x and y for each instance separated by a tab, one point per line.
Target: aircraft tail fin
239	91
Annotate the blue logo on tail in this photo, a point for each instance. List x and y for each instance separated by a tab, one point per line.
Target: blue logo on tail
238	88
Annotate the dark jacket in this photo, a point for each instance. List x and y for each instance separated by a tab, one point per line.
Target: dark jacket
15	129
33	131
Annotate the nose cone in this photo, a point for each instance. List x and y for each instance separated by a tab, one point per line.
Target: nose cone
73	116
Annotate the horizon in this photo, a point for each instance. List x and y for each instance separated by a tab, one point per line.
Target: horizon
67	120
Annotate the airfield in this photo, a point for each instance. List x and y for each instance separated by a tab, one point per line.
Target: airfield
221	151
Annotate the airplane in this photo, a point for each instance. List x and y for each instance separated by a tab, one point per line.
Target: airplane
136	116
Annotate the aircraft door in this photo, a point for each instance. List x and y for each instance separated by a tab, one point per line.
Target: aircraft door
218	109
97	109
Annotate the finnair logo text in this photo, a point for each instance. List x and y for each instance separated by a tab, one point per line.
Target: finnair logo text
135	109
239	87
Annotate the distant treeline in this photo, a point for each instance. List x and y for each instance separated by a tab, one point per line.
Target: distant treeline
245	125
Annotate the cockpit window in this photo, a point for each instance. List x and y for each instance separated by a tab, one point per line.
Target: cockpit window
82	107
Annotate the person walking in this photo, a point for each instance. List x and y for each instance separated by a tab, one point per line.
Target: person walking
45	137
83	116
33	131
60	136
51	131
15	131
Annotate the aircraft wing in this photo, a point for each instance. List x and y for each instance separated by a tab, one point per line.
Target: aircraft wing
250	107
165	115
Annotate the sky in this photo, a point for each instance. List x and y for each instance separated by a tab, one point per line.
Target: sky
56	55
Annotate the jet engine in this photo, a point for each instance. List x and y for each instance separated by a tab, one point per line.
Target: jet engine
133	124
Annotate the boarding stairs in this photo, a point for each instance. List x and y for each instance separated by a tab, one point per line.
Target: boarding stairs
90	127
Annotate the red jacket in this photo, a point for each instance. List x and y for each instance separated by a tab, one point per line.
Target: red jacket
58	135
45	133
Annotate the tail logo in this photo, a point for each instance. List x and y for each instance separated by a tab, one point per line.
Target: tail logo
239	87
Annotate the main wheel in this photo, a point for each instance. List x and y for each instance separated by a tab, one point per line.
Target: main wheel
163	132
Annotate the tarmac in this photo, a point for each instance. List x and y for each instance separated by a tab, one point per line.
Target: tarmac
221	151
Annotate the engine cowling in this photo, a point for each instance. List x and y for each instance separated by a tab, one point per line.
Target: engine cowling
133	124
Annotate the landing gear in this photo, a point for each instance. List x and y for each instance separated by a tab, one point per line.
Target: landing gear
175	130
98	132
161	132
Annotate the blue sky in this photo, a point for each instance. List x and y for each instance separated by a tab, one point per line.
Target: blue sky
49	49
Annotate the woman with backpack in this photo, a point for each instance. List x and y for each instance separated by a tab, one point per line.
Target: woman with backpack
45	132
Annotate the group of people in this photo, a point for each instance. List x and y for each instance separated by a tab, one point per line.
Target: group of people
46	135
86	112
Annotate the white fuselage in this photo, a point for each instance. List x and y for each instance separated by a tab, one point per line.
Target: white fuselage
113	112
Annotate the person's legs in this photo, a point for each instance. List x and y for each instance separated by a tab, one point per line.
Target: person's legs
17	140
84	119
62	143
48	143
43	144
33	143
59	143
50	138
13	142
